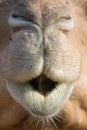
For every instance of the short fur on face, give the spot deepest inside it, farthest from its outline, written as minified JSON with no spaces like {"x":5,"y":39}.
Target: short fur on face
{"x":45,"y":59}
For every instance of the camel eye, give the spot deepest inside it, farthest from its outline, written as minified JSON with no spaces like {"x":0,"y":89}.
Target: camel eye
{"x":65,"y":23}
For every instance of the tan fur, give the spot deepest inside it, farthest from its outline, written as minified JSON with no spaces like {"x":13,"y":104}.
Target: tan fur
{"x":73,"y":114}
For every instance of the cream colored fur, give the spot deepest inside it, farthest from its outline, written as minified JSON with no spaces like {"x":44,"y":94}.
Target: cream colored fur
{"x":52,"y":43}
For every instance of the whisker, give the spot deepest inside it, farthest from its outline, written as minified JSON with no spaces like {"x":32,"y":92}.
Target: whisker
{"x":55,"y":117}
{"x":43,"y":123}
{"x":37,"y":124}
{"x":28,"y":121}
{"x":60,"y":116}
{"x":53,"y":122}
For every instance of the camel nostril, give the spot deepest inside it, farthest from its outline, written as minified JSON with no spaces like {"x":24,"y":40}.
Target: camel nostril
{"x":43,"y":85}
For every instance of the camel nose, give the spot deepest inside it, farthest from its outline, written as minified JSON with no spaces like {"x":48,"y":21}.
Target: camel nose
{"x":48,"y":15}
{"x":56,"y":13}
{"x":21,"y":16}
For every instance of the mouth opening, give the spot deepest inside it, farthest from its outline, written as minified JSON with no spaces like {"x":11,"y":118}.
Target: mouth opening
{"x":43,"y":84}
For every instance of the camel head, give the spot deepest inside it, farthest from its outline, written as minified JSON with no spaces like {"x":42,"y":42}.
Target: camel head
{"x":43,"y":61}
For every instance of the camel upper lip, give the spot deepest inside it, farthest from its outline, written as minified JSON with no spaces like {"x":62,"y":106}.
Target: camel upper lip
{"x":43,"y":84}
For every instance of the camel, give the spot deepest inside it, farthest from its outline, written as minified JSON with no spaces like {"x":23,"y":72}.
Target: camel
{"x":43,"y":65}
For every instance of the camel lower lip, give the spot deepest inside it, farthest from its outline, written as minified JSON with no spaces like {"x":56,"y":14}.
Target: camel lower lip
{"x":37,"y":104}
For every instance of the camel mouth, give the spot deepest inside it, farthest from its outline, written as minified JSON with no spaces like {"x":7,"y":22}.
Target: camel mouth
{"x":41,"y":96}
{"x":43,"y":84}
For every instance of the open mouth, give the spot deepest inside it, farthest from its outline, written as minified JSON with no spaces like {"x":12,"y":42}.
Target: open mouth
{"x":43,"y":84}
{"x":41,"y":96}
